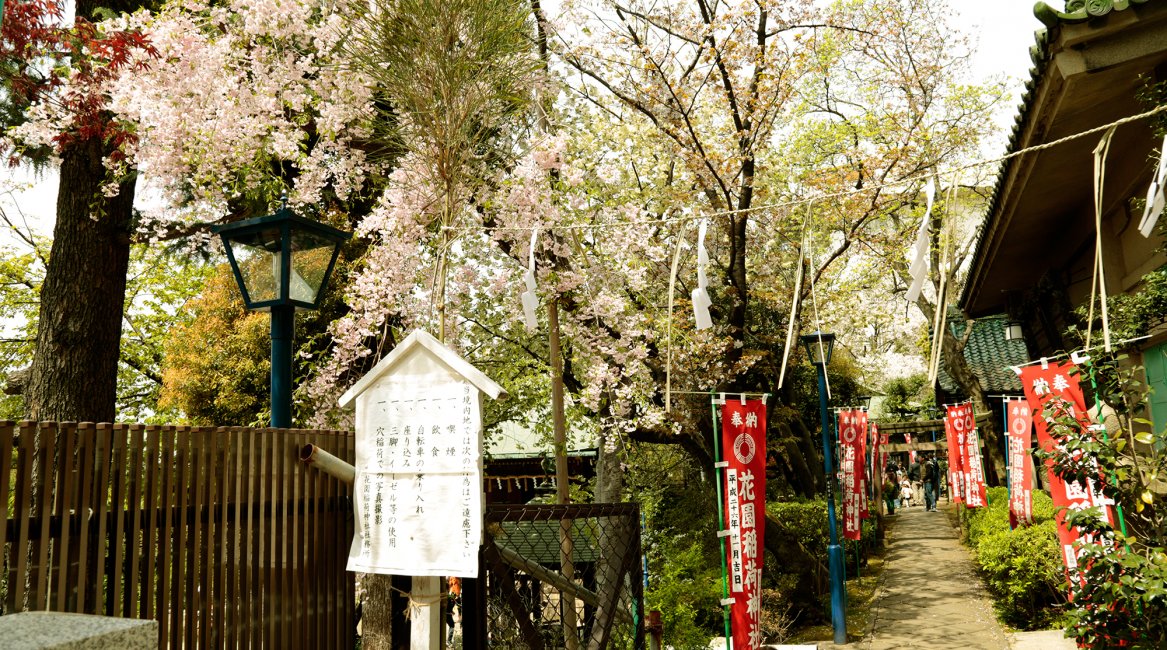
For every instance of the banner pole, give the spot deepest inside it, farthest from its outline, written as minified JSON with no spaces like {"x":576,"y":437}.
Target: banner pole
{"x":1113,"y":480}
{"x":1008,"y":458}
{"x":720,"y":518}
{"x":838,"y":447}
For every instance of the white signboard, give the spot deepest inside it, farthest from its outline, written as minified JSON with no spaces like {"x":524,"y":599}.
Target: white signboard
{"x":419,"y":498}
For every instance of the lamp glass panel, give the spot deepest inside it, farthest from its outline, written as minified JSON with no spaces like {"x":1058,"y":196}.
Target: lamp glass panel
{"x":1013,"y":331}
{"x":259,"y":267}
{"x":311,"y":254}
{"x":817,"y":353}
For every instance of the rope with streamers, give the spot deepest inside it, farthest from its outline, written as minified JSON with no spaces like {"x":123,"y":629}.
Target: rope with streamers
{"x":842,"y":193}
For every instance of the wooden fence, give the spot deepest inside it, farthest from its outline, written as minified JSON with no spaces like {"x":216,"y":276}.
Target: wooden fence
{"x":218,"y":533}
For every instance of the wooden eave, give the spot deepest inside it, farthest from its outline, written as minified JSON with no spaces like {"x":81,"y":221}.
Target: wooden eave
{"x":1041,"y":217}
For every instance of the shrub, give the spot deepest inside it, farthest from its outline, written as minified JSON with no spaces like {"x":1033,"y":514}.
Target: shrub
{"x":687,"y":590}
{"x":1119,"y":588}
{"x":1022,"y":567}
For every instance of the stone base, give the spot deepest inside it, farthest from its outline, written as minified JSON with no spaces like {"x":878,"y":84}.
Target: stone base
{"x":59,"y":631}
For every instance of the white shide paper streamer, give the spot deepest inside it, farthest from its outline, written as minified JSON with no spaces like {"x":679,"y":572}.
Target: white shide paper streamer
{"x":530,"y":300}
{"x":701,"y":301}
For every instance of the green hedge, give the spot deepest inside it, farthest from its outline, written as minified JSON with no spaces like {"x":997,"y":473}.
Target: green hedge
{"x":809,"y":520}
{"x":1022,"y":567}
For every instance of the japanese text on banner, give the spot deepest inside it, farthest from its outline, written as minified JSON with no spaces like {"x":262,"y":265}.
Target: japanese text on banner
{"x":1020,"y":421}
{"x":851,"y":443}
{"x":743,"y":445}
{"x":1050,"y":391}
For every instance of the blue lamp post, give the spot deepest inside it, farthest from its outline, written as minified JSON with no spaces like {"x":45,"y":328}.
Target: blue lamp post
{"x":282,"y":263}
{"x":818,"y":348}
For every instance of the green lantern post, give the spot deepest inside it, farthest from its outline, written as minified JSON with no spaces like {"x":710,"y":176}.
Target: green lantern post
{"x":282,"y":263}
{"x":818,"y":348}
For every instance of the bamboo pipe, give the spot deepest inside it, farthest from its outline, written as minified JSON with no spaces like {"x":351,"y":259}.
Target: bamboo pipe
{"x":327,"y":463}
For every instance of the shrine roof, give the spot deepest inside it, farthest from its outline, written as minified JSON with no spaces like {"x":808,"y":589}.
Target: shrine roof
{"x":511,"y":439}
{"x":1088,"y":60}
{"x":1079,"y":11}
{"x":990,"y":357}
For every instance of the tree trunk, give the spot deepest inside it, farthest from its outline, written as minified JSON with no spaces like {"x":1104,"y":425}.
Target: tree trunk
{"x":809,"y":583}
{"x":958,"y":369}
{"x":802,"y":480}
{"x":73,"y":376}
{"x":810,"y":453}
{"x":377,"y":612}
{"x":611,"y":539}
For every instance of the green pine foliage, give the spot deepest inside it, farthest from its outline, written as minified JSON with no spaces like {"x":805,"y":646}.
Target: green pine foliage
{"x":1022,"y":567}
{"x":909,"y":398}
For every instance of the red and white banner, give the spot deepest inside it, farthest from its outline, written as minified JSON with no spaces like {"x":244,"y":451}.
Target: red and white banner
{"x":911,"y":454}
{"x":1041,"y":385}
{"x":743,"y":443}
{"x":864,"y":511}
{"x":962,"y":429}
{"x":1020,"y":419}
{"x":955,"y":460}
{"x":878,"y":441}
{"x":976,"y":494}
{"x":852,"y":430}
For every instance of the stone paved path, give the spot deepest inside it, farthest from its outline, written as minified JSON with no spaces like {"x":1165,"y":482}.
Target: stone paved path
{"x":929,"y":595}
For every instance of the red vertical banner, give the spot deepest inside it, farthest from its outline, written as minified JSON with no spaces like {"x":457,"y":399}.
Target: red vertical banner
{"x":1044,"y":383}
{"x":1020,"y":419}
{"x":975,"y":493}
{"x":865,"y":475}
{"x":878,"y":440}
{"x":911,"y":454}
{"x":743,"y":443}
{"x":955,"y":457}
{"x":850,"y":445}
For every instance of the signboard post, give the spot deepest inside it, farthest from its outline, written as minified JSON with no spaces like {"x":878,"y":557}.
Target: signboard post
{"x":419,"y":498}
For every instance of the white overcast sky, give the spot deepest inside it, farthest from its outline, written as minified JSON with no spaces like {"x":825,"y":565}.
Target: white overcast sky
{"x":1003,"y":31}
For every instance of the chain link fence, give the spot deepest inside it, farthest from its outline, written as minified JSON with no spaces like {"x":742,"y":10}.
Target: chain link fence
{"x":563,"y":576}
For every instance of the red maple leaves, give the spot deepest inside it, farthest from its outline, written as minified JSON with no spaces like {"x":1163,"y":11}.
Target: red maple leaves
{"x":44,"y":60}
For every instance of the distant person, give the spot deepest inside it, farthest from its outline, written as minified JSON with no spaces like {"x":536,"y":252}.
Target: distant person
{"x":892,"y":471}
{"x":914,"y":471}
{"x":906,"y":492}
{"x":931,"y":476}
{"x":891,"y":490}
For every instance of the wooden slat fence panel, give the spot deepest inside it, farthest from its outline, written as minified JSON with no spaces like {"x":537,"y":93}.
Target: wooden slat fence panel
{"x":220,"y":534}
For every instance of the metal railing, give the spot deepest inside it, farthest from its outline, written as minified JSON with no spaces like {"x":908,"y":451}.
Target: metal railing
{"x":562,"y":576}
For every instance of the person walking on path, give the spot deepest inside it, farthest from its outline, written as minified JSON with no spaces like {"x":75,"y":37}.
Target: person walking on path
{"x":891,"y":491}
{"x":929,"y":595}
{"x":914,"y":474}
{"x":931,"y":476}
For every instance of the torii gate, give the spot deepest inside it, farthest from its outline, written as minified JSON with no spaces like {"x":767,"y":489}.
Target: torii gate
{"x":913,"y":428}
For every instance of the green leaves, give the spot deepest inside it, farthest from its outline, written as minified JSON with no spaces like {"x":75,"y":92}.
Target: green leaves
{"x":1121,"y":580}
{"x":1021,"y":567}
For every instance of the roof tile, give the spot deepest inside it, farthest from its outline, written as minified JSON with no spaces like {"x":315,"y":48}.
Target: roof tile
{"x":990,"y":357}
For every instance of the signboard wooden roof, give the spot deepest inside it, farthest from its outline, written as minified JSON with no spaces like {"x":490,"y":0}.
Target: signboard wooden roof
{"x":422,"y":342}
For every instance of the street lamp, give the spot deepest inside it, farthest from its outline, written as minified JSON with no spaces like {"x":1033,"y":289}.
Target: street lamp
{"x":282,"y":263}
{"x":1013,"y":331}
{"x":818,"y":348}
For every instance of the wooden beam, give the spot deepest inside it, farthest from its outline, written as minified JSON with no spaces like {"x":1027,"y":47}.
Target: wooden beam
{"x":922,"y":426}
{"x":939,"y":445}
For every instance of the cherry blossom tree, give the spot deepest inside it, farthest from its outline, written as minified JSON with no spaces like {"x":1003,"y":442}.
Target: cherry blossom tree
{"x":54,"y":73}
{"x":675,"y":112}
{"x":222,"y":109}
{"x":910,"y":117}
